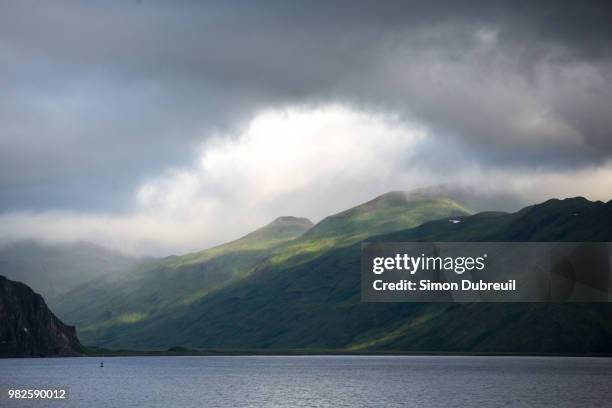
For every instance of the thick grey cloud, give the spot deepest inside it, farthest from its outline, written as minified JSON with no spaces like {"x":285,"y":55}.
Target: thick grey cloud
{"x":98,"y":98}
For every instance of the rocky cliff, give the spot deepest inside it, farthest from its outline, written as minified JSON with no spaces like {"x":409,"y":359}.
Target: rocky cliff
{"x":29,"y":328}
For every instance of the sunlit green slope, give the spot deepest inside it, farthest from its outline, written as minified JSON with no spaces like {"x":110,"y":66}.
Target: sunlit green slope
{"x":117,"y":311}
{"x":156,"y":286}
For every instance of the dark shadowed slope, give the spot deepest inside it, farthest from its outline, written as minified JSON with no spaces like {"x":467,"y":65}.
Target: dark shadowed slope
{"x":28,"y":327}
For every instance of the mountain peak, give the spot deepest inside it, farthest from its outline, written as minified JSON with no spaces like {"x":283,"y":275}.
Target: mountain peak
{"x":285,"y":227}
{"x":563,"y":204}
{"x":391,"y":198}
{"x":291,"y":220}
{"x":476,"y":199}
{"x":401,"y":199}
{"x":388,"y":212}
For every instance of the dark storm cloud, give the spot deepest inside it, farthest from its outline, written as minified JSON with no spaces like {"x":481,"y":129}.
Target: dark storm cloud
{"x":96,"y":97}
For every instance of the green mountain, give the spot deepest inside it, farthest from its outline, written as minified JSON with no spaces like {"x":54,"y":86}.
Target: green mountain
{"x":110,"y":303}
{"x":474,"y":198}
{"x":55,"y":269}
{"x":393,"y":211}
{"x":120,"y":312}
{"x":315,"y":303}
{"x":279,"y":231}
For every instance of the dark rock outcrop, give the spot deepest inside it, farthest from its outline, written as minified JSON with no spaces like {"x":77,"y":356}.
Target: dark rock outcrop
{"x":29,"y":328}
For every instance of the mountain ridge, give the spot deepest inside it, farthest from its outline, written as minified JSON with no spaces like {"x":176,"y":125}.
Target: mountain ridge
{"x":316,"y":304}
{"x":303,"y":292}
{"x":166,"y":289}
{"x":389,"y":207}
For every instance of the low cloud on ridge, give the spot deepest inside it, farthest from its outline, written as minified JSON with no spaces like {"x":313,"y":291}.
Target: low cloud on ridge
{"x":286,"y":162}
{"x":135,"y":124}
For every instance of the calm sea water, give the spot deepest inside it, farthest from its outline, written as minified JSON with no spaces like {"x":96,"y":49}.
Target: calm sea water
{"x":315,"y":381}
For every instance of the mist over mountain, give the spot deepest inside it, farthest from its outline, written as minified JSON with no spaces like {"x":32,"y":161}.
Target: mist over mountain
{"x":55,"y":269}
{"x":391,"y":211}
{"x":475,"y":198}
{"x":127,"y":129}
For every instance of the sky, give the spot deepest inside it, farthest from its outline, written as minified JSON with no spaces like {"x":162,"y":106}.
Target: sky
{"x":167,"y":127}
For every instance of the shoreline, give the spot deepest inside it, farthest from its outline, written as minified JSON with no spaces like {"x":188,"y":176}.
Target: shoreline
{"x":313,"y":353}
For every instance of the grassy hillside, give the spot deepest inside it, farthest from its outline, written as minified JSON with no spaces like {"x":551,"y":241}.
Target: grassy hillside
{"x":278,"y":232}
{"x":111,"y":303}
{"x":119,"y":313}
{"x":393,"y":211}
{"x":389,"y":212}
{"x":316,"y":304}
